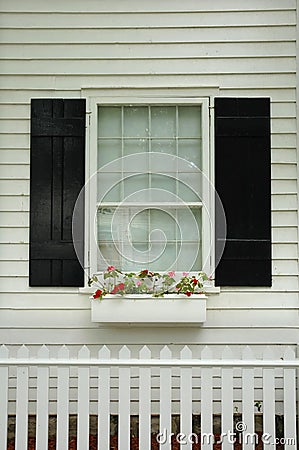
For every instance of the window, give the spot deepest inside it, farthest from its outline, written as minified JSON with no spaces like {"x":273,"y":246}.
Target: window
{"x":151,"y":194}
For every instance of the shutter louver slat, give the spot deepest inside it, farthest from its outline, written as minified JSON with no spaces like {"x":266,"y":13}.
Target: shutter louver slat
{"x":57,"y":165}
{"x":243,"y":182}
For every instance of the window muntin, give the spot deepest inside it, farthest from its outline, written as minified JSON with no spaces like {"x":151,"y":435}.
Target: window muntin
{"x":140,"y":139}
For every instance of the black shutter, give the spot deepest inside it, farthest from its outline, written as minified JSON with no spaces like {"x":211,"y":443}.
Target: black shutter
{"x":57,"y":175}
{"x":243,"y":183}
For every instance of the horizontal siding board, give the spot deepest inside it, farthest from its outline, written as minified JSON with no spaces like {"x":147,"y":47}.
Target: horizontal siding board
{"x":284,"y":186}
{"x":14,"y":156}
{"x":98,"y":336}
{"x":147,"y":66}
{"x":286,"y":155}
{"x":14,"y":187}
{"x":149,"y":50}
{"x":98,"y":35}
{"x":284,"y":171}
{"x":14,"y":268}
{"x":135,"y":19}
{"x":285,"y":234}
{"x":39,"y":299}
{"x":284,"y":202}
{"x":154,"y":5}
{"x":10,"y":219}
{"x":14,"y":203}
{"x":71,"y":82}
{"x":14,"y":251}
{"x":81,"y":318}
{"x":14,"y":171}
{"x":15,"y":235}
{"x":285,"y":218}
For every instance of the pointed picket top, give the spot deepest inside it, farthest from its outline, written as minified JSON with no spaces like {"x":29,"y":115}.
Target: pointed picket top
{"x":268,"y":353}
{"x":186,"y":353}
{"x":165,"y":353}
{"x":227,"y":353}
{"x":4,"y":352}
{"x":145,"y":353}
{"x":206,"y":353}
{"x":84,"y":353}
{"x":289,"y":354}
{"x":125,"y":352}
{"x":247,"y":353}
{"x":63,"y":352}
{"x":43,"y":352}
{"x":104,"y":352}
{"x":23,"y":352}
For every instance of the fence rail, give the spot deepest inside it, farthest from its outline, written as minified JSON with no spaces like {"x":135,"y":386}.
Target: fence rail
{"x":187,"y":386}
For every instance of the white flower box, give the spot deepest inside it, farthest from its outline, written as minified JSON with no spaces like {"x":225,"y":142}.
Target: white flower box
{"x":142,"y":309}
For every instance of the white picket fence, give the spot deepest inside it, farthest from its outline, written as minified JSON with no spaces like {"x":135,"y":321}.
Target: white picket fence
{"x":146,"y":385}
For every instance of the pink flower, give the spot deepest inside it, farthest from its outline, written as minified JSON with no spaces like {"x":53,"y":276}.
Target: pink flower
{"x":185,"y":274}
{"x":171,"y":273}
{"x":110,"y":268}
{"x":138,"y":283}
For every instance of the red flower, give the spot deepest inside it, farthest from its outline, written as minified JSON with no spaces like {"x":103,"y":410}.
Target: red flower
{"x":110,"y":268}
{"x":188,"y":293}
{"x":97,"y":293}
{"x":118,"y":287}
{"x":194,"y":281}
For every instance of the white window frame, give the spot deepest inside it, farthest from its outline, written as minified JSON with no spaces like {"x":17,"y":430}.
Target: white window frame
{"x":207,"y":168}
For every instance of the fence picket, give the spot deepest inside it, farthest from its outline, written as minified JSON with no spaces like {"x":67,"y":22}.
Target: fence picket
{"x":269,"y":398}
{"x":124,"y":402}
{"x":104,"y":401}
{"x":289,"y":389}
{"x":227,"y":407}
{"x":42,"y":401}
{"x":4,"y":354}
{"x":165,"y":401}
{"x":206,"y":402}
{"x":22,"y":402}
{"x":186,"y":401}
{"x":248,"y":443}
{"x":145,"y":402}
{"x":83,"y":402}
{"x":63,"y":376}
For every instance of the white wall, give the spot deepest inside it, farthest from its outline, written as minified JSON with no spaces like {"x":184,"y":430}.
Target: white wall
{"x":76,"y":48}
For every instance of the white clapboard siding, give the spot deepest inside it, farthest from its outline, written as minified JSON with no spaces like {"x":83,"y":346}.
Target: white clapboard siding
{"x":158,"y":48}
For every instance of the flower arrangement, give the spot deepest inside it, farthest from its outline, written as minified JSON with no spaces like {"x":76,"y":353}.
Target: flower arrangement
{"x":114,"y":281}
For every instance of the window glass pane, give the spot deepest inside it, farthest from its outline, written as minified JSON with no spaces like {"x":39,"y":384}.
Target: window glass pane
{"x":163,"y":121}
{"x":139,"y":228}
{"x":162,"y":257}
{"x":136,"y":183}
{"x":163,"y":226}
{"x":190,"y":149}
{"x":189,"y":121}
{"x":136,"y":123}
{"x":109,"y":150}
{"x":109,"y":187}
{"x":109,"y":121}
{"x":189,"y":257}
{"x":132,"y":146}
{"x":164,"y":182}
{"x":189,"y":220}
{"x":164,"y":146}
{"x":189,"y":187}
